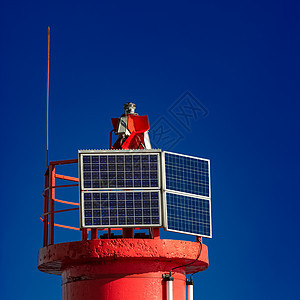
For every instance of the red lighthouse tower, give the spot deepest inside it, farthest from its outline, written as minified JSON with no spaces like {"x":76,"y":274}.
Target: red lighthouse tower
{"x":132,"y":265}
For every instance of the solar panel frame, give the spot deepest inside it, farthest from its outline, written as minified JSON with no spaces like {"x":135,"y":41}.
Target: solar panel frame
{"x":166,"y":191}
{"x":164,"y":175}
{"x":115,"y":153}
{"x":168,"y":227}
{"x":137,"y":212}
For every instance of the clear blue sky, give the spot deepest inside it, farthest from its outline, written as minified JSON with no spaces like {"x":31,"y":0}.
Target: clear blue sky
{"x":239,"y":59}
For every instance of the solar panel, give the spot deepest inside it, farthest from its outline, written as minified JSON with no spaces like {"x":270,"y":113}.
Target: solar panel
{"x":187,"y":174}
{"x":120,"y":170}
{"x":120,"y":188}
{"x":187,"y":214}
{"x":186,"y":191}
{"x":121,"y":209}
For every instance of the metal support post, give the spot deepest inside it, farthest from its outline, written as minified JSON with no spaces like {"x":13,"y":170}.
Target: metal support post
{"x":46,"y":207}
{"x":84,"y":234}
{"x":169,"y":279}
{"x":190,"y":289}
{"x":128,"y":233}
{"x":94,"y":233}
{"x":51,"y":203}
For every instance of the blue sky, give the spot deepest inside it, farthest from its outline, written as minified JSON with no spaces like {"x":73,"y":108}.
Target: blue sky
{"x":239,"y":62}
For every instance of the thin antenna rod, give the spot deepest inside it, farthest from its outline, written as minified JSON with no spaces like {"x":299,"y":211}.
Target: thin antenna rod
{"x":47,"y":150}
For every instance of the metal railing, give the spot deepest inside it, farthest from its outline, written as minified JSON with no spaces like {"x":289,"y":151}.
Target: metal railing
{"x":49,"y":200}
{"x":49,"y":209}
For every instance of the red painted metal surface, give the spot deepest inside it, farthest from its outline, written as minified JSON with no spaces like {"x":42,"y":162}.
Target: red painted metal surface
{"x":137,"y":125}
{"x":66,"y":202}
{"x":49,"y":200}
{"x":121,"y":269}
{"x":46,"y":206}
{"x":51,"y":203}
{"x":66,"y":177}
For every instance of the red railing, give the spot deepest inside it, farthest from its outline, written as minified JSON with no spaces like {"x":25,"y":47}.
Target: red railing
{"x":49,"y":208}
{"x":49,"y":200}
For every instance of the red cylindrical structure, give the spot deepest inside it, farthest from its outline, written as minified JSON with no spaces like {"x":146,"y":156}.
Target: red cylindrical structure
{"x":119,"y":269}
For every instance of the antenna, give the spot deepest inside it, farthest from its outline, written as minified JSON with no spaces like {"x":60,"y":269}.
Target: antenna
{"x":47,"y":147}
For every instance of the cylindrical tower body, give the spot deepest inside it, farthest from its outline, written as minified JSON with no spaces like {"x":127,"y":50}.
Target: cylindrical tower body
{"x":119,"y":269}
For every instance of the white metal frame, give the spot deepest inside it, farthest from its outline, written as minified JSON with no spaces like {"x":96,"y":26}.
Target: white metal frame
{"x":118,"y":152}
{"x":121,"y":226}
{"x":115,"y":190}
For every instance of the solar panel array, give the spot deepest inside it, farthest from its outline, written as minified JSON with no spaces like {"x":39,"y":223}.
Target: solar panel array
{"x":187,"y":194}
{"x":120,"y":188}
{"x":106,"y":171}
{"x":120,"y":209}
{"x":125,"y":188}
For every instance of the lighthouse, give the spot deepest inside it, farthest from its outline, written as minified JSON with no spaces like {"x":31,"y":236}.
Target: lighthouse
{"x":127,"y":194}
